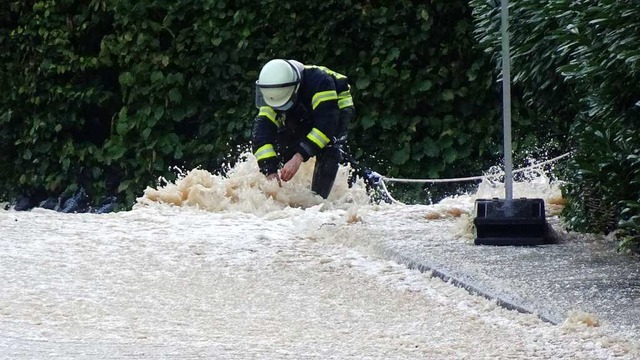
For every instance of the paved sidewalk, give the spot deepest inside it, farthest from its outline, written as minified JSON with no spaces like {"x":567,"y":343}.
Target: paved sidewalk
{"x":575,"y":274}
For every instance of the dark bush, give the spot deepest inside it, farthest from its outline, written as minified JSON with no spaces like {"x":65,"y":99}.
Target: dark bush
{"x":576,"y":66}
{"x":112,"y":95}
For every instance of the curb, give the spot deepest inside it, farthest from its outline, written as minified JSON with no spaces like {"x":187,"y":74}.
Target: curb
{"x":472,"y":289}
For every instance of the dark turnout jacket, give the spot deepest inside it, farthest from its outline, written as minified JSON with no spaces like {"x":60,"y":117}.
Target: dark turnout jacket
{"x":309,"y":126}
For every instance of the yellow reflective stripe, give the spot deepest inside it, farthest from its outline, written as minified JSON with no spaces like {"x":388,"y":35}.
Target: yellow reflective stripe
{"x":345,"y":102}
{"x":269,"y":113}
{"x":345,"y":99}
{"x":323,"y":96}
{"x":326,"y":70}
{"x":265,"y":152}
{"x":318,"y":137}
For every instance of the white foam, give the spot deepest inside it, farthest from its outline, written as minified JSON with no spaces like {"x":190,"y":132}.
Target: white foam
{"x":245,"y":189}
{"x":236,"y":267}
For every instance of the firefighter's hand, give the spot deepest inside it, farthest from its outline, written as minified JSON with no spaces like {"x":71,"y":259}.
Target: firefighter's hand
{"x":291,"y":167}
{"x":274,"y":176}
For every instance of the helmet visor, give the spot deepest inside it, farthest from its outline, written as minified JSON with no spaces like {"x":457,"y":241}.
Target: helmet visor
{"x":280,"y":97}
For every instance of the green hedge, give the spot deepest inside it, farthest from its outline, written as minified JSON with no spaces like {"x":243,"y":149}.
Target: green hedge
{"x":57,"y":99}
{"x":111,"y":95}
{"x":545,"y":103}
{"x":578,"y":63}
{"x":107,"y":94}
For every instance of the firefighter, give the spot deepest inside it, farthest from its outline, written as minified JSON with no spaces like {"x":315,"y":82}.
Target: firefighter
{"x":304,"y":111}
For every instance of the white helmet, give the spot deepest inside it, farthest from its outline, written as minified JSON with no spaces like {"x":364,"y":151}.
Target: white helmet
{"x":278,"y":84}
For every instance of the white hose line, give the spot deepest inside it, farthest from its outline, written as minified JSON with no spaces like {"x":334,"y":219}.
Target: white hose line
{"x":472,"y":178}
{"x":394,"y":201}
{"x":386,"y":191}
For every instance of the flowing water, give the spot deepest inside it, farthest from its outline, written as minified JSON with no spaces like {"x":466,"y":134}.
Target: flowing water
{"x":238,"y":267}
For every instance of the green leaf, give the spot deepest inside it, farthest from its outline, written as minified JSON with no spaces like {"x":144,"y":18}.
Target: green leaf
{"x":434,"y":171}
{"x":146,"y":111}
{"x":116,"y":152}
{"x":124,"y":185}
{"x":363,"y":83}
{"x":126,"y":79}
{"x":394,"y":53}
{"x":178,"y":114}
{"x":424,"y":85}
{"x":145,"y":133}
{"x":447,"y":95}
{"x":158,"y":112}
{"x":175,"y":95}
{"x":449,"y":155}
{"x":367,"y":122}
{"x":402,"y":155}
{"x":122,"y":128}
{"x":96,"y":172}
{"x":43,"y":147}
{"x":390,"y":71}
{"x":430,"y":148}
{"x":157,"y":76}
{"x":424,"y":14}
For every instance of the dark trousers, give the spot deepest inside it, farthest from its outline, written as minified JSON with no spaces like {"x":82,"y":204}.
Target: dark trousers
{"x":329,"y":158}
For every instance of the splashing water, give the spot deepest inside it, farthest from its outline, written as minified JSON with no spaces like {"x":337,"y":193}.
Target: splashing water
{"x":175,"y":280}
{"x":245,"y":189}
{"x":577,"y":318}
{"x":532,"y":184}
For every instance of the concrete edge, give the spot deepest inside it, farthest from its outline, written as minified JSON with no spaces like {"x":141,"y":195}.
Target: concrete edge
{"x":472,"y":289}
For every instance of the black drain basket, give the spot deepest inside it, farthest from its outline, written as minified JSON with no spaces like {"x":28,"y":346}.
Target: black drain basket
{"x":516,"y":222}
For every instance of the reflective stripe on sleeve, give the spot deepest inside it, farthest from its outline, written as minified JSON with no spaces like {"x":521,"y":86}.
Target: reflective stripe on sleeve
{"x":269,"y":113}
{"x":265,"y":152}
{"x":344,"y":94}
{"x":318,"y":138}
{"x":323,"y":96}
{"x":345,"y":99}
{"x":346,"y":102}
{"x":327,"y":71}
